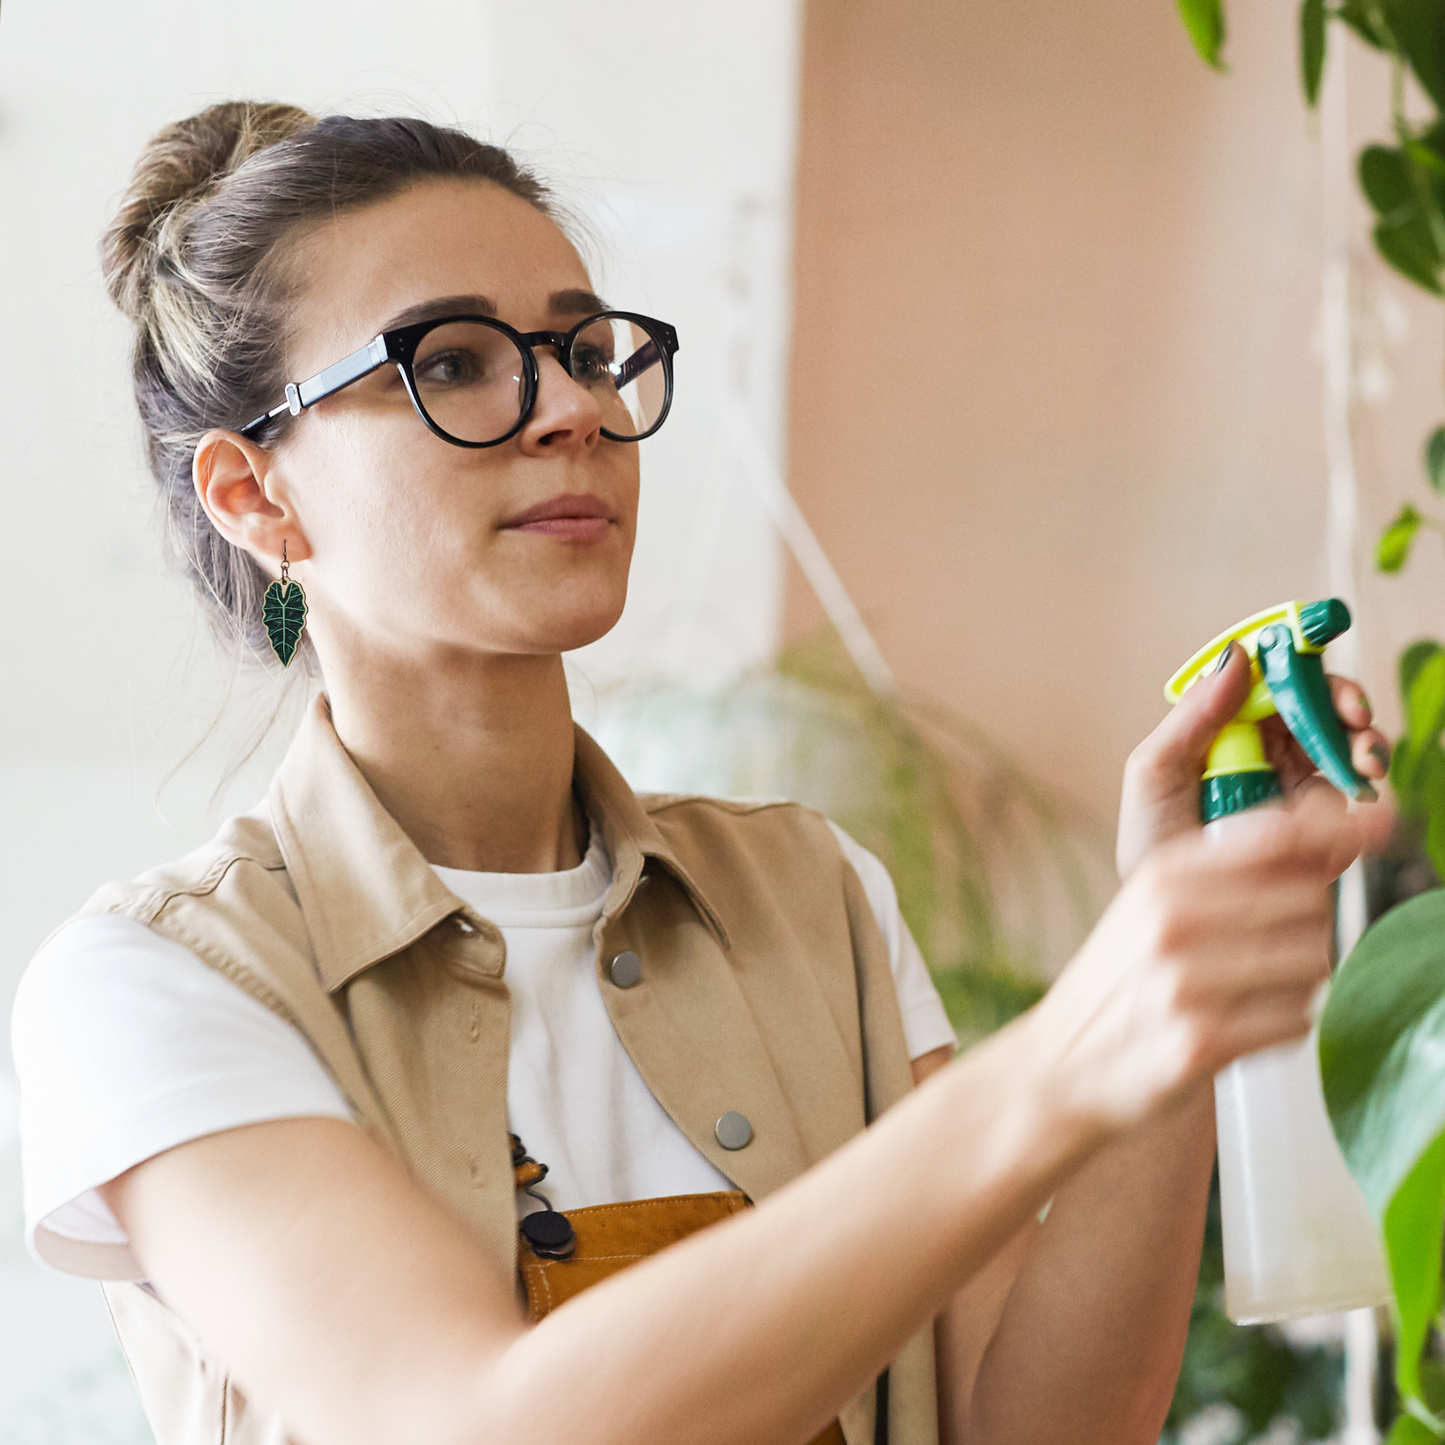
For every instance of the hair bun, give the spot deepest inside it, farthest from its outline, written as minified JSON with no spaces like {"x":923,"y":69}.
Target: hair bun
{"x":178,"y":167}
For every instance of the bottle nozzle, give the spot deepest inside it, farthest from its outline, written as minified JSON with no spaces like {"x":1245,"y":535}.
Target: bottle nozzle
{"x":1322,"y":622}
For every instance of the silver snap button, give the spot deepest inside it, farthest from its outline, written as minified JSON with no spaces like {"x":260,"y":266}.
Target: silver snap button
{"x":733,"y":1131}
{"x":626,"y":969}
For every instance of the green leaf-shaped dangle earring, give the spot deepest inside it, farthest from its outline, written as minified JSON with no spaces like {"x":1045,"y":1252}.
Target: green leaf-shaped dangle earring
{"x":283,"y":610}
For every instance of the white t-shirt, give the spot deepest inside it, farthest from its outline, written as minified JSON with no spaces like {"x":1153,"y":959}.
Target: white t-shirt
{"x":126,"y":1044}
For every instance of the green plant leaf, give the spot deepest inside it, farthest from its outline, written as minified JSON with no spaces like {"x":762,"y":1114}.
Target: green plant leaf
{"x":1433,"y":807}
{"x":1381,"y":1041}
{"x":1362,"y":17}
{"x":283,"y":610}
{"x":1386,"y":181}
{"x":1409,"y":247}
{"x":1204,"y":20}
{"x":1435,"y":459}
{"x":1429,"y":147}
{"x":1419,"y":27}
{"x":1393,"y":549}
{"x":1407,"y":195}
{"x":1425,"y":155}
{"x":1407,"y":1430}
{"x":1312,"y":22}
{"x":1411,"y":660}
{"x":1417,"y":766}
{"x":1425,"y":699}
{"x":1417,"y":775}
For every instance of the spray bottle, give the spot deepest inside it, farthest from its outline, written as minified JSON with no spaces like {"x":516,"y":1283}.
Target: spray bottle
{"x":1298,"y":1236}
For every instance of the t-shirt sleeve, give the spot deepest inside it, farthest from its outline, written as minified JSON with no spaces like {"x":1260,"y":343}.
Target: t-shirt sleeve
{"x":126,"y":1044}
{"x":925,"y":1023}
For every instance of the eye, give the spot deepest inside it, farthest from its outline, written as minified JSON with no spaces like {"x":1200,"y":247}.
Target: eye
{"x":457,"y":366}
{"x":591,"y":364}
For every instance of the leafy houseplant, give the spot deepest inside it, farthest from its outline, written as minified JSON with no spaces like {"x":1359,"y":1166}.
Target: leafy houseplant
{"x":1382,"y":1037}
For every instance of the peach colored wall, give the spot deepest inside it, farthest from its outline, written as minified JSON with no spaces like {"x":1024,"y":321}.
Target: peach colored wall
{"x":1055,"y":397}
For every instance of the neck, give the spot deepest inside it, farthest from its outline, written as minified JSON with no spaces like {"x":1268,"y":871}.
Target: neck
{"x":472,"y":755}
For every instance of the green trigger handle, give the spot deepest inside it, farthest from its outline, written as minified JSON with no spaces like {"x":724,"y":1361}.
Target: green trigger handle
{"x":1301,"y":692}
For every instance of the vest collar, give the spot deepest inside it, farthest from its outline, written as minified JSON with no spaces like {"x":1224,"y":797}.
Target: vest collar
{"x":364,"y":887}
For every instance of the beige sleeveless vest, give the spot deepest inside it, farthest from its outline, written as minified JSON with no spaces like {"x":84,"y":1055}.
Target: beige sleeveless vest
{"x":765,"y":990}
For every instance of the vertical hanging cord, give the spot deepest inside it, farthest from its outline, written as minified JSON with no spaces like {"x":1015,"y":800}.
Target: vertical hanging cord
{"x":807,"y":551}
{"x":764,"y":474}
{"x":1337,"y":176}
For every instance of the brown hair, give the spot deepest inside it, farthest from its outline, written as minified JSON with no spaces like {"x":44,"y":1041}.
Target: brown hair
{"x":195,"y":258}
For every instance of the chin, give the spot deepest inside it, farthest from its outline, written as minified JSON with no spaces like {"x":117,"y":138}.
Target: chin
{"x":577,"y":629}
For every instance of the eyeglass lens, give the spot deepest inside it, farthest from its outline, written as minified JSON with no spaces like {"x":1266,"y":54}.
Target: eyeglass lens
{"x":470,"y":378}
{"x":621,"y":365}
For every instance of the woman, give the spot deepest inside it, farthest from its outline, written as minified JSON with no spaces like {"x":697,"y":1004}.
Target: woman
{"x":274,"y":1081}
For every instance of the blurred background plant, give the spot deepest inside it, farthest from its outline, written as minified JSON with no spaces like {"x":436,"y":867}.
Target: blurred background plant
{"x":997,"y":878}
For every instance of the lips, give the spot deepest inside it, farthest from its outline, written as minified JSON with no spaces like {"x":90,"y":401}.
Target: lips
{"x":579,"y":517}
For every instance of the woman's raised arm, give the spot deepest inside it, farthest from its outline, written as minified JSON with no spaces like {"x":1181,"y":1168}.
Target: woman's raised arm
{"x":360,"y":1312}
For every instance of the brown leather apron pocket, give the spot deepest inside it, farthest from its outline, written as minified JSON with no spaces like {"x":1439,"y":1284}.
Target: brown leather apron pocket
{"x":609,"y":1237}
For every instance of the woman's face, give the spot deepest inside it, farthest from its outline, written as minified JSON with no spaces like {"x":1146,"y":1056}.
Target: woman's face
{"x":410,"y":542}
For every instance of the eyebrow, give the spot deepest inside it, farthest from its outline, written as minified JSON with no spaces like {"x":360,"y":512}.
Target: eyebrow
{"x":575,"y":302}
{"x":571,"y":302}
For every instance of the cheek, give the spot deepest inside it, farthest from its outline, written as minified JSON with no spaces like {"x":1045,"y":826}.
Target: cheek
{"x":382,"y":518}
{"x":404,"y":544}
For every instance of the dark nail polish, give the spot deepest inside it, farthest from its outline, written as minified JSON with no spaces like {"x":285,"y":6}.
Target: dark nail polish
{"x":1381,"y":755}
{"x":1224,"y":658}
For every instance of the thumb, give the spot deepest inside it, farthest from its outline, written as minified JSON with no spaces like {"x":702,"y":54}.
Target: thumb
{"x":1189,"y":731}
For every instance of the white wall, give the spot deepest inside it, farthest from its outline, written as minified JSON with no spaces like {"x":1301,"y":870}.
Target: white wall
{"x":669,"y":127}
{"x":664,"y":125}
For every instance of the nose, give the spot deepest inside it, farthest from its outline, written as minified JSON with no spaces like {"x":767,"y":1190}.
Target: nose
{"x":566,"y":416}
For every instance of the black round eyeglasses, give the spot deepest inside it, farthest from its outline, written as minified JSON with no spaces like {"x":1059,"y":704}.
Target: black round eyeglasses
{"x":473,"y":379}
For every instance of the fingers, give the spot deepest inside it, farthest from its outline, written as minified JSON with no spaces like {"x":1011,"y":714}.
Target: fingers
{"x":1370,"y":753}
{"x":1273,"y":1018}
{"x":1351,"y":703}
{"x":1316,"y":835}
{"x":1369,"y":748}
{"x":1288,"y":954}
{"x":1182,"y":741}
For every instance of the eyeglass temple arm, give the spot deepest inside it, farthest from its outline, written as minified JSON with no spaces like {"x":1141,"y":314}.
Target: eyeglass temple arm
{"x":646,"y":356}
{"x":325,"y":383}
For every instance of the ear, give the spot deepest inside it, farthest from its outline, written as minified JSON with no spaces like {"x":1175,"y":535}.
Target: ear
{"x":242,"y":494}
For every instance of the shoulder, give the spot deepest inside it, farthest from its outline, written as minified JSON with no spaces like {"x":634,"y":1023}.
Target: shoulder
{"x":698,"y":827}
{"x":127,"y":1044}
{"x":228,"y":905}
{"x":243,"y":854}
{"x":101,"y":973}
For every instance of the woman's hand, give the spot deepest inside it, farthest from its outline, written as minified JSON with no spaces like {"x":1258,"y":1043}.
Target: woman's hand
{"x":1213,"y":948}
{"x":1161,"y":778}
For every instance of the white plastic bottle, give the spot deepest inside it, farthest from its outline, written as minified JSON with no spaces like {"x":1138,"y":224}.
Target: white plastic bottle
{"x":1298,"y":1235}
